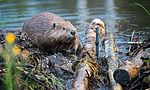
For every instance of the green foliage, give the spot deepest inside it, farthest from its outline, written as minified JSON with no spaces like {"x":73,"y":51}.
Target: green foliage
{"x":12,"y":74}
{"x":56,"y":82}
{"x":17,"y":75}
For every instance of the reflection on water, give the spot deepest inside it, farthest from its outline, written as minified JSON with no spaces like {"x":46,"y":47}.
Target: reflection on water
{"x":121,"y":16}
{"x":112,"y":15}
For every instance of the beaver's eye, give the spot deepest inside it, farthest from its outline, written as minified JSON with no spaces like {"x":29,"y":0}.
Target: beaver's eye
{"x":54,"y":25}
{"x":64,"y":29}
{"x":98,"y":24}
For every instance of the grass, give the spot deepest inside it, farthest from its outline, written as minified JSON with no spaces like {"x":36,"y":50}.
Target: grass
{"x":143,"y":8}
{"x":13,"y":78}
{"x":9,"y":53}
{"x":56,"y":82}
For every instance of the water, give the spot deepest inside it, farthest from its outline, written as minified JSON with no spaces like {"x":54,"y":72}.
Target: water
{"x":121,"y":16}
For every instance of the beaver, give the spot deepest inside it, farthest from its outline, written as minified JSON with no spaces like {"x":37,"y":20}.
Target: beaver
{"x":51,"y":33}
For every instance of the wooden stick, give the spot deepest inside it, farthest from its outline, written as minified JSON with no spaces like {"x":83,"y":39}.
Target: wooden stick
{"x":84,"y":69}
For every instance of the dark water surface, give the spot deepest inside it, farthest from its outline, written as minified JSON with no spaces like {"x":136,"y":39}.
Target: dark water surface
{"x":121,"y":16}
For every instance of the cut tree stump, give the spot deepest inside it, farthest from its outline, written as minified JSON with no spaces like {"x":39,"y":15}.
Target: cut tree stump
{"x":125,"y":73}
{"x":130,"y":69}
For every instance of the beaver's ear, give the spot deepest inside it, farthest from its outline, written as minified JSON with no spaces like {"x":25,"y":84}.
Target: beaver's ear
{"x":54,"y":25}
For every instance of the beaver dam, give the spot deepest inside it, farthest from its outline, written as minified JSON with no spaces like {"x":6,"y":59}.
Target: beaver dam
{"x":74,"y":45}
{"x":93,"y":65}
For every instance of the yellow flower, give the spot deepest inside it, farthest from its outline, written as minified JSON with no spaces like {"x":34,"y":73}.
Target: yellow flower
{"x":10,"y":38}
{"x":16,"y":50}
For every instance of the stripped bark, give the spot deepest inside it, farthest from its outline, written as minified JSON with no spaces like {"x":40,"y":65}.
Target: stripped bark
{"x":81,"y":78}
{"x":110,"y":51}
{"x":130,"y":69}
{"x":85,"y":68}
{"x":125,"y":73}
{"x":91,"y":37}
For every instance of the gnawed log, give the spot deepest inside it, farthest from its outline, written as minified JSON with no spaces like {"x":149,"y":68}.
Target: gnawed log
{"x":88,"y":66}
{"x":91,"y":37}
{"x":84,"y":70}
{"x":130,"y":69}
{"x":110,"y":50}
{"x":125,"y":73}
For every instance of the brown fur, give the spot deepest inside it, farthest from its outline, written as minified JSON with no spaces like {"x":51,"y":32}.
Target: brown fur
{"x":51,"y":33}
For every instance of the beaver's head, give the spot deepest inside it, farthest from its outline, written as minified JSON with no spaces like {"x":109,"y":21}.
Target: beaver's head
{"x":98,"y":23}
{"x":63,"y":33}
{"x":71,"y":32}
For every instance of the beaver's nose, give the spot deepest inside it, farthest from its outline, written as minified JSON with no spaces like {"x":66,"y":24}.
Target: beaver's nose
{"x":72,"y":32}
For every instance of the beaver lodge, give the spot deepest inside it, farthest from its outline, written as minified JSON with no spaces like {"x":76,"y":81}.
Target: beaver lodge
{"x":48,"y":55}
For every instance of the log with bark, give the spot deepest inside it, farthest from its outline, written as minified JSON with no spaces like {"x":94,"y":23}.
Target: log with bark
{"x":110,"y":55}
{"x":130,"y":69}
{"x":88,"y":66}
{"x":83,"y":70}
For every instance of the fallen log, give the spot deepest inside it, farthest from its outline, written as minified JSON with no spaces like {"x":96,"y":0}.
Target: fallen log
{"x":125,"y":73}
{"x":88,"y":67}
{"x":130,"y":69}
{"x":84,"y":70}
{"x":90,"y":42}
{"x":110,"y":55}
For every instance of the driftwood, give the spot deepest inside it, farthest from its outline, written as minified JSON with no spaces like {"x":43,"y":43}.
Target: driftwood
{"x":81,"y":78}
{"x":110,"y":51}
{"x":85,"y":68}
{"x":130,"y":69}
{"x":98,"y":26}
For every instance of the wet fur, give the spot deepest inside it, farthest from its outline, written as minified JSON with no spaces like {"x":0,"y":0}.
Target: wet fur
{"x":51,"y":32}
